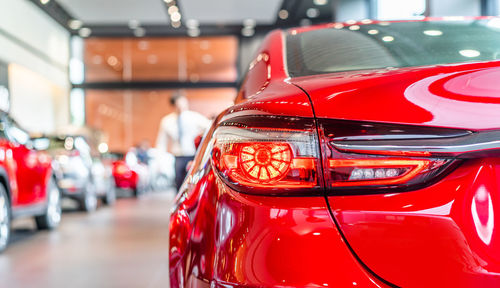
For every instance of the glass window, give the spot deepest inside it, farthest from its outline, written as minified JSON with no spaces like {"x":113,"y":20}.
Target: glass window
{"x":155,"y":59}
{"x":18,"y":135}
{"x":399,"y":44}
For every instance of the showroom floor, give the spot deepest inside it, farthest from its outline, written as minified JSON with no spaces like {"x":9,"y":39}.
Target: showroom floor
{"x":123,"y":246}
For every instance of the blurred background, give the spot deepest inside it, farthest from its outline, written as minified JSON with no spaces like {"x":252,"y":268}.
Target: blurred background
{"x":111,"y":65}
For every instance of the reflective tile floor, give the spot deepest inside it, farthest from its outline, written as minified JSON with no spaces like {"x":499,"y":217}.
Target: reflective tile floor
{"x":122,"y":246}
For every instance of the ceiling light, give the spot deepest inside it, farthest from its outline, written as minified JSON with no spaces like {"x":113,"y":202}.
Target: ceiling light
{"x":366,"y":21}
{"x":247,"y":31}
{"x":112,"y":60}
{"x":338,"y":26}
{"x":139,"y":32}
{"x":192,"y":24}
{"x":373,"y":32}
{"x":433,"y":32}
{"x":44,"y":1}
{"x":75,"y":24}
{"x":84,"y":32}
{"x":175,"y":17}
{"x":103,"y":148}
{"x":283,"y":14}
{"x":133,"y":24}
{"x":176,"y":24}
{"x":173,"y":9}
{"x":193,"y":32}
{"x":312,"y":12}
{"x":249,"y":23}
{"x":469,"y":53}
{"x":320,"y":2}
{"x":350,"y":22}
{"x":354,"y":27}
{"x":387,"y":38}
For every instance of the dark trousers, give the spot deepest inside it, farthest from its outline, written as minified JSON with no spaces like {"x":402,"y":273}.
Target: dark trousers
{"x":180,"y":169}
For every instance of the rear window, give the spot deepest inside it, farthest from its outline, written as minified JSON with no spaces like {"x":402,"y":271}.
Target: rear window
{"x":392,"y":44}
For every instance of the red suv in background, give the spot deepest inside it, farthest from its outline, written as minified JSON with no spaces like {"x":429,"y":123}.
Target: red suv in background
{"x":27,"y":188}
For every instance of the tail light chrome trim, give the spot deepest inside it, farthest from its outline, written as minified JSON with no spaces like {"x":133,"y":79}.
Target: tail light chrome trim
{"x":477,"y":142}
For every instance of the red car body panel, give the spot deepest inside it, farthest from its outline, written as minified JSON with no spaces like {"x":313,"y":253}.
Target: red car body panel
{"x":292,"y":242}
{"x":431,"y":96}
{"x":27,"y":174}
{"x":443,"y":235}
{"x":125,"y":177}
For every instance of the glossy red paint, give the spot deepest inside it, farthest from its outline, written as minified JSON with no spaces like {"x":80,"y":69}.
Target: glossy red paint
{"x":433,"y":96}
{"x":440,"y":235}
{"x":26,"y":172}
{"x":446,"y":232}
{"x":125,"y":177}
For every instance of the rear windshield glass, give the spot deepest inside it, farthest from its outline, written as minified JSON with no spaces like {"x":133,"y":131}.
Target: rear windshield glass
{"x":392,"y":44}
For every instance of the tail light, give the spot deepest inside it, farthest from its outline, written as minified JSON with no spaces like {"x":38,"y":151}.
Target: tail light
{"x":120,"y":168}
{"x":281,"y":155}
{"x":377,"y":172}
{"x":352,"y":165}
{"x":255,"y":158}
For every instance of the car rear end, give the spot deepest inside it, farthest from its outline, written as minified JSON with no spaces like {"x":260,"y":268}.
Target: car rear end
{"x":125,"y":177}
{"x":384,"y":176}
{"x":411,"y":144}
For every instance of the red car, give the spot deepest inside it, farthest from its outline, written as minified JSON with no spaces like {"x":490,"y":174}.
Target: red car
{"x":362,"y":155}
{"x":125,"y":177}
{"x":27,"y":186}
{"x":130,"y":174}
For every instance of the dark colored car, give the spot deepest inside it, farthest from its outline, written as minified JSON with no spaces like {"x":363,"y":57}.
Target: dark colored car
{"x":27,"y":186}
{"x":80,"y":174}
{"x":356,"y":155}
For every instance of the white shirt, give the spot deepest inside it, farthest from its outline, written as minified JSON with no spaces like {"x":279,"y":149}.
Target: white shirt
{"x":192,"y":124}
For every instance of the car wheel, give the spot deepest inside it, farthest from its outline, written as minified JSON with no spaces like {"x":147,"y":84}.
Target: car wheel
{"x":139,"y":190}
{"x":52,"y":216}
{"x":4,"y":219}
{"x":110,"y":197}
{"x":89,"y":200}
{"x":136,"y":192}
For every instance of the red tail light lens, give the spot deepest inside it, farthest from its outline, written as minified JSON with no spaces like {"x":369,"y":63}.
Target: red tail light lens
{"x":382,"y":172}
{"x":268,"y":161}
{"x":379,"y":171}
{"x":265,"y":162}
{"x":120,"y":168}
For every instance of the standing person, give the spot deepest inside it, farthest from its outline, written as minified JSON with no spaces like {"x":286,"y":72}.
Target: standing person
{"x":177,"y":134}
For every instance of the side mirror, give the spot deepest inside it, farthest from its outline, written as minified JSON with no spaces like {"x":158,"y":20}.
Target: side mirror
{"x":41,"y":143}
